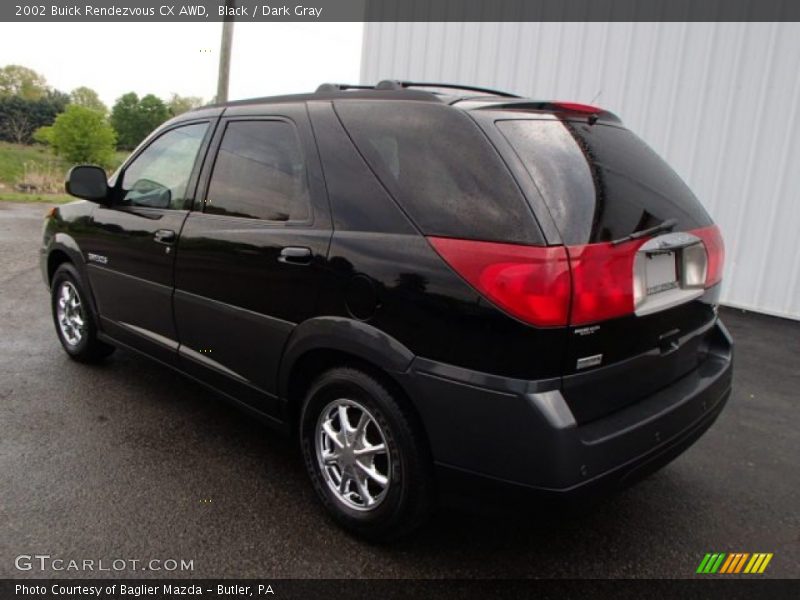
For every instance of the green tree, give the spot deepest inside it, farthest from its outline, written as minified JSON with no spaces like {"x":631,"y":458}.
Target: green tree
{"x":135,"y":118}
{"x":125,"y":120}
{"x":154,"y":112}
{"x":19,"y":117}
{"x":81,"y":135}
{"x":84,"y":96}
{"x":180,"y":104}
{"x":16,"y":80}
{"x":44,"y":135}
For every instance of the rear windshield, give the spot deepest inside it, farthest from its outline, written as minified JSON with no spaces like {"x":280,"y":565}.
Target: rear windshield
{"x":600,"y":182}
{"x":441,"y":169}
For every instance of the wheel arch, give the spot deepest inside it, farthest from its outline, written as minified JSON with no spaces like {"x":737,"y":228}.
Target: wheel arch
{"x":64,"y":248}
{"x":325,"y":342}
{"x":55,"y":259}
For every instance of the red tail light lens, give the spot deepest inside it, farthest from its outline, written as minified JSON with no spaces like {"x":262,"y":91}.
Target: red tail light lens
{"x":715,"y":248}
{"x":552,"y":286}
{"x":602,"y":280}
{"x":530,"y":282}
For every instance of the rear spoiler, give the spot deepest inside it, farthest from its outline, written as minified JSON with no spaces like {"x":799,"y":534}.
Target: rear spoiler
{"x":573,"y":109}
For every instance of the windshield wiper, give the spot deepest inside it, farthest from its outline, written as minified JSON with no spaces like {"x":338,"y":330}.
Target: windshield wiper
{"x":664,"y":226}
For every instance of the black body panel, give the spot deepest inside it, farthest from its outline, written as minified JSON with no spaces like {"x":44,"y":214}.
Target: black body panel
{"x":237,"y":297}
{"x":137,"y":267}
{"x":235,"y":303}
{"x":662,"y":354}
{"x":418,"y":299}
{"x":538,"y":447}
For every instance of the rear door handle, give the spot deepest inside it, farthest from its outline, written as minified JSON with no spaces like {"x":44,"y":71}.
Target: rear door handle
{"x":164,"y":236}
{"x":295,"y":255}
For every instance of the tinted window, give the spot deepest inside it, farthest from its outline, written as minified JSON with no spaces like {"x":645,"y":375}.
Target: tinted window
{"x":441,"y":169}
{"x":259,"y":173}
{"x":159,"y":175}
{"x":600,"y":182}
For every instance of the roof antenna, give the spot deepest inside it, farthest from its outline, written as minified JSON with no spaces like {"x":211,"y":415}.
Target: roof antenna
{"x":596,"y":96}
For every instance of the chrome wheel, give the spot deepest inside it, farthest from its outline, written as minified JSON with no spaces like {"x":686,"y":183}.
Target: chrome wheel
{"x":352,"y":454}
{"x":70,"y":315}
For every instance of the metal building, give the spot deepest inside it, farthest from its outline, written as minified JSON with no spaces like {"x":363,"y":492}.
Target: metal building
{"x":718,"y":100}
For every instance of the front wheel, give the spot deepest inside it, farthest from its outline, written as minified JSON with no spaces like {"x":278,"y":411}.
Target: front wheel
{"x":73,"y":319}
{"x":365,"y":455}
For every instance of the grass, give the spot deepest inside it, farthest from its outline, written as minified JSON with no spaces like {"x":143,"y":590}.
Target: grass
{"x":20,"y":197}
{"x":14,"y":157}
{"x":18,"y":159}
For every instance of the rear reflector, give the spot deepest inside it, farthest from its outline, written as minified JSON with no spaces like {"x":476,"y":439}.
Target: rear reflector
{"x":551,"y":286}
{"x":530,"y":282}
{"x":715,"y":247}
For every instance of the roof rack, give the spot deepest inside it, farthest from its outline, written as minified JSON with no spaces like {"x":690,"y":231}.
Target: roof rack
{"x":392,"y":84}
{"x":395,"y":85}
{"x":338,"y":87}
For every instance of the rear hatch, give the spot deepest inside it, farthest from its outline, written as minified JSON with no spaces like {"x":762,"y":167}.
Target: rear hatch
{"x":645,"y":257}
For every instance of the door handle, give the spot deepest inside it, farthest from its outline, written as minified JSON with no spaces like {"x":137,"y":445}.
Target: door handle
{"x":295,"y":255}
{"x":164,"y":236}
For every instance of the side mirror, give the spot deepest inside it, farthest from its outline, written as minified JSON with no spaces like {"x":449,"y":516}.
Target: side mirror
{"x":87,"y":182}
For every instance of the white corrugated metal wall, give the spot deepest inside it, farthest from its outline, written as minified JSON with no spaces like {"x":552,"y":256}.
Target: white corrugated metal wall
{"x":718,"y":100}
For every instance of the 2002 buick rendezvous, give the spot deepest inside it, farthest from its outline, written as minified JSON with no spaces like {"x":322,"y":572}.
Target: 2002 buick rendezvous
{"x":435,"y":287}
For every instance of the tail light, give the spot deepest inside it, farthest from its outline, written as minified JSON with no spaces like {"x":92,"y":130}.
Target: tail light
{"x":530,"y":282}
{"x":602,"y":281}
{"x":552,"y":286}
{"x":715,"y":248}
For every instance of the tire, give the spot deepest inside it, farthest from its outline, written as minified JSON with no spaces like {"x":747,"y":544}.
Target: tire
{"x":74,"y":320}
{"x":407,"y":498}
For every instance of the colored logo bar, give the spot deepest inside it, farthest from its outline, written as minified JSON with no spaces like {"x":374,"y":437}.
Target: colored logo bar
{"x":734,"y":562}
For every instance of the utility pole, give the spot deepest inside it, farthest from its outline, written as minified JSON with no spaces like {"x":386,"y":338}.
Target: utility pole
{"x":225,"y":53}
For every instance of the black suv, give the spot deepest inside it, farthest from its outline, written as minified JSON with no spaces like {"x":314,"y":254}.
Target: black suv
{"x":435,"y":287}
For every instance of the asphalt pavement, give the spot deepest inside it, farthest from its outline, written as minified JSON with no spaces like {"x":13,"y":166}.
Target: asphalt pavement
{"x":128,"y":460}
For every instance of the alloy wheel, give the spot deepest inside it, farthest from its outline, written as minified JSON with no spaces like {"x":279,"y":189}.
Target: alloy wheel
{"x":353,"y":455}
{"x":70,"y":314}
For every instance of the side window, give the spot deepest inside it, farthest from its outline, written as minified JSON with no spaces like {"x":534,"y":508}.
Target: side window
{"x":158,"y":177}
{"x":259,"y":173}
{"x":440,"y":168}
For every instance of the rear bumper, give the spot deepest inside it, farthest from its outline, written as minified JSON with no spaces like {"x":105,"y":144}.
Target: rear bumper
{"x":488,"y":432}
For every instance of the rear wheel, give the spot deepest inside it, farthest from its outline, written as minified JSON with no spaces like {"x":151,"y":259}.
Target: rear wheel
{"x":74,"y":321}
{"x":365,"y":456}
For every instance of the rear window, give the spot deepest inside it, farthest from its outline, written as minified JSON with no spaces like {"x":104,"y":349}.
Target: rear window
{"x":441,"y":169}
{"x":600,"y":182}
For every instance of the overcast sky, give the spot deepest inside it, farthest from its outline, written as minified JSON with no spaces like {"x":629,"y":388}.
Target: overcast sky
{"x":162,"y":58}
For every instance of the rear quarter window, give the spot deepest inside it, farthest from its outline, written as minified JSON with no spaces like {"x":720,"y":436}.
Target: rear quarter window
{"x":441,"y":169}
{"x":600,"y":182}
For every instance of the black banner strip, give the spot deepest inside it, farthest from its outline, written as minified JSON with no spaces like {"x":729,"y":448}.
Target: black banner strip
{"x":399,"y":10}
{"x":709,"y":588}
